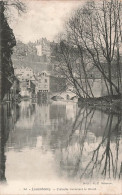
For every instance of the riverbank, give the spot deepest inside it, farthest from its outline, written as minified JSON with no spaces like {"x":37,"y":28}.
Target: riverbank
{"x":107,"y":103}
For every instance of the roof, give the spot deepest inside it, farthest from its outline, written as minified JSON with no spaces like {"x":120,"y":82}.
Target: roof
{"x":46,"y":72}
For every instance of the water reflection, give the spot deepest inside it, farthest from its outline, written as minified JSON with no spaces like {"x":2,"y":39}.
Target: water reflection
{"x":8,"y":118}
{"x":66,"y":141}
{"x":93,"y":146}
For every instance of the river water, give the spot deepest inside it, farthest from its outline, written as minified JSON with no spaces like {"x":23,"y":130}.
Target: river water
{"x":59,"y":141}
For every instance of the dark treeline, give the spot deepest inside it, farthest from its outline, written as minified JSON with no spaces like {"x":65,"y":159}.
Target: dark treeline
{"x":7,"y":42}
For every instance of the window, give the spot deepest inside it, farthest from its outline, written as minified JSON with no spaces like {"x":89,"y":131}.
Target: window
{"x":45,"y":80}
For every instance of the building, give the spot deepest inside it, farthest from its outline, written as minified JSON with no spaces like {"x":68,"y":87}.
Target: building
{"x":35,"y":55}
{"x":23,"y":73}
{"x":27,"y":88}
{"x":27,"y":80}
{"x":43,"y":49}
{"x":43,"y":82}
{"x":50,"y":83}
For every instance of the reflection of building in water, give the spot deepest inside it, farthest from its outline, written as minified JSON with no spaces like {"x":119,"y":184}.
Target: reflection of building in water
{"x":60,"y":126}
{"x":33,"y":122}
{"x":49,"y":121}
{"x":42,"y":114}
{"x":27,"y":118}
{"x":23,"y":128}
{"x":18,"y":138}
{"x":57,"y":111}
{"x":50,"y":129}
{"x":71,"y":110}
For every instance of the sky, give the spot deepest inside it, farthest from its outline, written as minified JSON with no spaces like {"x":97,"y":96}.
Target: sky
{"x":43,"y":19}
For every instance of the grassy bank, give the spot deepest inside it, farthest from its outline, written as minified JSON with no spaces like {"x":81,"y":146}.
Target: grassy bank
{"x":109,"y":104}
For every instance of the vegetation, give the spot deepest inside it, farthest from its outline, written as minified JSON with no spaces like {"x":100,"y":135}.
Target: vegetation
{"x":91,"y":44}
{"x":7,"y":42}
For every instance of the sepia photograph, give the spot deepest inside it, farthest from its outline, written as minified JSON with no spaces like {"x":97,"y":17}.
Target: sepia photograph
{"x":60,"y":97}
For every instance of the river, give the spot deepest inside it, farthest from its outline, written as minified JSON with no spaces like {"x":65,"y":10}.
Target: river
{"x":59,"y":141}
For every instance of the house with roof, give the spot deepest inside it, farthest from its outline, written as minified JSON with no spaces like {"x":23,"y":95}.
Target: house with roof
{"x":43,"y":83}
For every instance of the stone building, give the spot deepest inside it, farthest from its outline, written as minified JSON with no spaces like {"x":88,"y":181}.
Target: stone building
{"x":50,"y":83}
{"x":43,"y":49}
{"x":43,"y":82}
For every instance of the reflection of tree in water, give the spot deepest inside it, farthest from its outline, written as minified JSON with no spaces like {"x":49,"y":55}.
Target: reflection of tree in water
{"x":86,"y":156}
{"x":104,"y":161}
{"x":23,"y":134}
{"x":9,"y":116}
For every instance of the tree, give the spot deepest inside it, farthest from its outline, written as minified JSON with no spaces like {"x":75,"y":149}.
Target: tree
{"x":17,"y":4}
{"x":70,"y":61}
{"x":7,"y":42}
{"x":95,"y":29}
{"x":103,"y":24}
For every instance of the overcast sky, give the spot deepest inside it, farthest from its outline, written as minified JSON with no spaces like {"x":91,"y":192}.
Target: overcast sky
{"x":43,"y":19}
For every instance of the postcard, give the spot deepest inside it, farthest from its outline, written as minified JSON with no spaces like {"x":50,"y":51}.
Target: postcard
{"x":60,"y":97}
